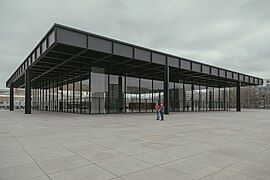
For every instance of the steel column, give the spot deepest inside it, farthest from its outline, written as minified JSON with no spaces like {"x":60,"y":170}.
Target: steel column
{"x":81,"y":93}
{"x":40,"y":97}
{"x":166,"y":89}
{"x":53,"y":95}
{"x":213,"y":98}
{"x":27,"y":92}
{"x":152,"y":93}
{"x":192,"y":97}
{"x":120,"y":94}
{"x":43,"y":100}
{"x":139,"y":95}
{"x":238,"y":96}
{"x":229,"y":98}
{"x":73,"y":93}
{"x":125,"y":89}
{"x":89,"y":90}
{"x":11,"y":97}
{"x":224,"y":98}
{"x":49,"y":96}
{"x":206,"y":99}
{"x":200,"y":98}
{"x":184,"y":97}
{"x":57,"y":94}
{"x":219,"y":99}
{"x":108,"y":96}
{"x":46,"y":97}
{"x":67,"y":93}
{"x":62,"y":95}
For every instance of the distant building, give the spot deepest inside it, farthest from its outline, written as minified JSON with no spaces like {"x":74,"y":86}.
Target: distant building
{"x":266,"y":83}
{"x":18,"y":98}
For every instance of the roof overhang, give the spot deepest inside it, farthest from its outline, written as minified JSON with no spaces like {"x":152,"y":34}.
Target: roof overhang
{"x":67,"y":52}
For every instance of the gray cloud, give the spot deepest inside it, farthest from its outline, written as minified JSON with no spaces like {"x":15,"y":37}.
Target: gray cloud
{"x":231,"y":34}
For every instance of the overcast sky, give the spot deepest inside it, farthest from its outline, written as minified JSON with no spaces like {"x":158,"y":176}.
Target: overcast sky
{"x":233,"y":34}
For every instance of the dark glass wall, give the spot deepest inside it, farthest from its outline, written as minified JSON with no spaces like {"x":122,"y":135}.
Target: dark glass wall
{"x":146,"y":102}
{"x":132,"y":95}
{"x":99,"y":92}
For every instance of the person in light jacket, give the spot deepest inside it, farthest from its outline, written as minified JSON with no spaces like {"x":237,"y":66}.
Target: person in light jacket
{"x":157,"y":108}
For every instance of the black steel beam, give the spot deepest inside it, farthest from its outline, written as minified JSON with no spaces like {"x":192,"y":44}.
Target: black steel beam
{"x":81,"y":94}
{"x":11,"y":97}
{"x":166,"y":89}
{"x":27,"y":92}
{"x":238,"y":96}
{"x":59,"y":65}
{"x":224,"y":98}
{"x":192,"y":97}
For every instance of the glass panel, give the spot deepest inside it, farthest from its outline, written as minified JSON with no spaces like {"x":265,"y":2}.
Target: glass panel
{"x":187,"y":97}
{"x":77,"y":96}
{"x":47,"y":99}
{"x":171,"y":97}
{"x":51,"y":97}
{"x":132,"y":94}
{"x":99,"y":91}
{"x":146,"y":95}
{"x":202,"y":105}
{"x":85,"y":96}
{"x":196,"y":97}
{"x":64,"y":103}
{"x":227,"y":98}
{"x":178,"y":97}
{"x":116,"y":94}
{"x":210,"y":99}
{"x":157,"y":91}
{"x":221,"y":98}
{"x":216,"y":99}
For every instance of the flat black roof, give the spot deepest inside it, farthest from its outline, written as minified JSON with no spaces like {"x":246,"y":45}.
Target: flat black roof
{"x":65,"y":51}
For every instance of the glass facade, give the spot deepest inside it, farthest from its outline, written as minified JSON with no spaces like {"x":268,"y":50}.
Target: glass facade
{"x":132,"y":95}
{"x":99,"y":92}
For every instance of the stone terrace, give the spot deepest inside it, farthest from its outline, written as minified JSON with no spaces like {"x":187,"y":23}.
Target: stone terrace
{"x":199,"y":145}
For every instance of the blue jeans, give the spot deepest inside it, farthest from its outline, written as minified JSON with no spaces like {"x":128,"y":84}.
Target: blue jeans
{"x":162,"y":115}
{"x":157,"y":115}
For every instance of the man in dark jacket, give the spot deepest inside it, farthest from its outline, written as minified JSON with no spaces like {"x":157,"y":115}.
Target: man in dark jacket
{"x":161,"y":111}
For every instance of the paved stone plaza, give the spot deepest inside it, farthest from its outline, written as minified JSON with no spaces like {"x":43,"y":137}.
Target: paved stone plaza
{"x":199,"y":145}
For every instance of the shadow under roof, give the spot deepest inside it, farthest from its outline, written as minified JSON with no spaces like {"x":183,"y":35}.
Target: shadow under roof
{"x":68,"y":52}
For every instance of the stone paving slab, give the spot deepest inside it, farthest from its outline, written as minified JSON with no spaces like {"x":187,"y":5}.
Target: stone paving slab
{"x":200,"y":145}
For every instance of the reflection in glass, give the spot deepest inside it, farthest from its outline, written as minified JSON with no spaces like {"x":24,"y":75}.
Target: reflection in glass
{"x":146,"y":95}
{"x":158,"y":93}
{"x":132,"y":94}
{"x":99,"y":91}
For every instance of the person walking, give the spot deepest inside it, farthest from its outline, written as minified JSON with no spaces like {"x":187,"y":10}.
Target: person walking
{"x":157,"y":108}
{"x":161,"y":111}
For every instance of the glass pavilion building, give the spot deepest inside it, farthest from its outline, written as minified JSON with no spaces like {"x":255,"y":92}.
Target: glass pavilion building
{"x":74,"y":71}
